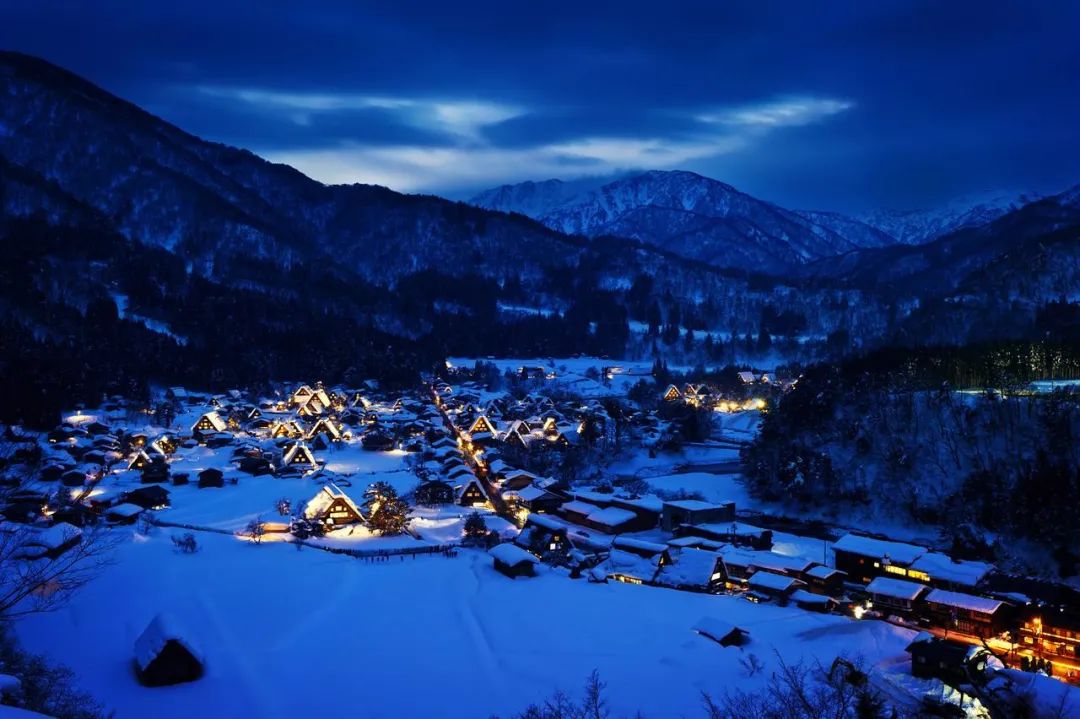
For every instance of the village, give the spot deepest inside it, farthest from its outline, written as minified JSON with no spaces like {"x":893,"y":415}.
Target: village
{"x":537,"y":471}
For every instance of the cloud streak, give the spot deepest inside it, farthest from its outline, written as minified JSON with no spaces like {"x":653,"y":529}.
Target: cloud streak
{"x":791,"y":112}
{"x":464,"y":118}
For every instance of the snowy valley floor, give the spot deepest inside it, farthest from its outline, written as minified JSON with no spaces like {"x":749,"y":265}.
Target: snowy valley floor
{"x":289,"y":633}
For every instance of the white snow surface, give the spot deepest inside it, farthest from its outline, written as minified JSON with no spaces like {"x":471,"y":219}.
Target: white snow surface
{"x":386,"y":624}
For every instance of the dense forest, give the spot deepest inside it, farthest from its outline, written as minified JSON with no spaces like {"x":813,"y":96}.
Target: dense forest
{"x":891,"y":433}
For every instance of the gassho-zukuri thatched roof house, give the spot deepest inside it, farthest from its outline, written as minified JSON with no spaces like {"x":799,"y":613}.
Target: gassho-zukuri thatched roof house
{"x":165,"y":655}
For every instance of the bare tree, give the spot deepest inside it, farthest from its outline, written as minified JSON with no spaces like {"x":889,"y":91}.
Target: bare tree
{"x":30,"y":583}
{"x":802,"y":691}
{"x":255,"y":530}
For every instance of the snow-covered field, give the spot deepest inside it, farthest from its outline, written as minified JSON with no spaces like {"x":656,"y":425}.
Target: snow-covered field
{"x":290,"y":633}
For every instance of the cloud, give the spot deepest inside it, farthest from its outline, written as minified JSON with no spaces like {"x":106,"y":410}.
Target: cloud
{"x":464,"y":118}
{"x":790,"y":112}
{"x":475,"y":144}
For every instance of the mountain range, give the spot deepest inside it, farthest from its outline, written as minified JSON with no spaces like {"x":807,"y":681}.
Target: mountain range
{"x":244,"y":258}
{"x":707,"y":220}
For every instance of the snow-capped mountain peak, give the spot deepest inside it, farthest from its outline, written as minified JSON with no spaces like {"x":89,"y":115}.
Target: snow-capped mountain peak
{"x":919,"y":226}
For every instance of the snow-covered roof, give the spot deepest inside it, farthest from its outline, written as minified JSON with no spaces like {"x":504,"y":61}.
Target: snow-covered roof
{"x":959,"y":600}
{"x":822,"y":572}
{"x":511,"y":554}
{"x":898,"y":552}
{"x":579,"y":507}
{"x":775,"y":582}
{"x":650,"y":503}
{"x":631,"y":565}
{"x":547,"y":522}
{"x":716,"y":629}
{"x":215,"y":421}
{"x":612,"y":516}
{"x":1045,"y":695}
{"x":727,"y":528}
{"x":318,"y":504}
{"x":55,"y":536}
{"x":764,"y":559}
{"x":691,"y":567}
{"x":943,"y":567}
{"x":693,"y":505}
{"x":294,"y":450}
{"x":804,"y":597}
{"x":896,"y":588}
{"x":161,"y":631}
{"x":125,"y":510}
{"x":638,"y":544}
{"x":531,"y":493}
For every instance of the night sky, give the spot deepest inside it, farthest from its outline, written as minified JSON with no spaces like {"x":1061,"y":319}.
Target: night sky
{"x":814,"y":105}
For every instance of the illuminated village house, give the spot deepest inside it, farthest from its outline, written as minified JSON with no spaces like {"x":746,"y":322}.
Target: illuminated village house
{"x":332,"y":507}
{"x":297,"y":457}
{"x":473,"y":494}
{"x":208,"y":424}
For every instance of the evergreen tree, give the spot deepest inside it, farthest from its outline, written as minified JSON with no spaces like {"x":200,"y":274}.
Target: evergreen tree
{"x":475,"y":527}
{"x":386,"y":513}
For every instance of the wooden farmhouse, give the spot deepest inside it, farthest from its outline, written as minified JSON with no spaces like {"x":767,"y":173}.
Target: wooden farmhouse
{"x":298,"y":458}
{"x":472,"y":494}
{"x":209,"y":423}
{"x":332,"y":507}
{"x":286,"y":430}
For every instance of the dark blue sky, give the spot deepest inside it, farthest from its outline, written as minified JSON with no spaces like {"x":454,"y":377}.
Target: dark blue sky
{"x":828,"y":105}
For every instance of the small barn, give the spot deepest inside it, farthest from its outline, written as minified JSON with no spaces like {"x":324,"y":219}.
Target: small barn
{"x":211,"y":478}
{"x":950,"y":661}
{"x":156,"y":471}
{"x":125,"y":513}
{"x":164,"y":655}
{"x":694,"y":512}
{"x":332,"y":507}
{"x":723,"y":633}
{"x":513,"y":561}
{"x":255,"y":465}
{"x":152,"y":497}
